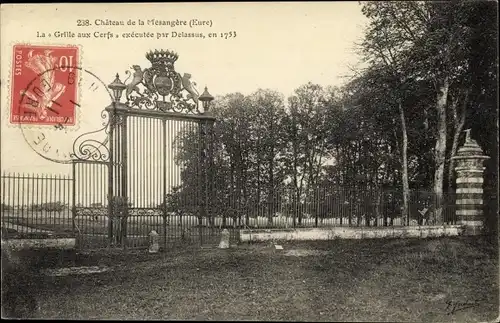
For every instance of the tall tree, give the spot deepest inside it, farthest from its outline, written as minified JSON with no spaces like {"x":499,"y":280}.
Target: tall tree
{"x":271,"y":142}
{"x":428,"y":38}
{"x":307,"y":124}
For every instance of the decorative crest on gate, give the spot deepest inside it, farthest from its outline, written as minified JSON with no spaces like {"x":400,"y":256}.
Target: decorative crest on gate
{"x":160,"y":87}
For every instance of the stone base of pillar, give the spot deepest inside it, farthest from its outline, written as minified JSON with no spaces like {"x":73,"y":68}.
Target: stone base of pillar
{"x":472,"y":228}
{"x":154,"y":240}
{"x":224,"y":240}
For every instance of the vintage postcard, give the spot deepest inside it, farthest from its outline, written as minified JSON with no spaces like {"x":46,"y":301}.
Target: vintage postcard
{"x":278,"y":161}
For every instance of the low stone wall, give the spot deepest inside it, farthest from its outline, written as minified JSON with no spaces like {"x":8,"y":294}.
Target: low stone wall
{"x":350,"y":233}
{"x":56,"y":243}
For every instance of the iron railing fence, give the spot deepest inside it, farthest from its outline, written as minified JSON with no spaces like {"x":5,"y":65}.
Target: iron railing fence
{"x":34,"y":204}
{"x":38,"y":204}
{"x":41,"y":205}
{"x":337,"y":206}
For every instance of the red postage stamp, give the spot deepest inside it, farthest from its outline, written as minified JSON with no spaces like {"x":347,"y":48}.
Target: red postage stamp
{"x":44,"y":85}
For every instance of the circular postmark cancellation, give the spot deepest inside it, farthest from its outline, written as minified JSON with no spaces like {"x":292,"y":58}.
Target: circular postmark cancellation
{"x":55,"y":101}
{"x":55,"y":140}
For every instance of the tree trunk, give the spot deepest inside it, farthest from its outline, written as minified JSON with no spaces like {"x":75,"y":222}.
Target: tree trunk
{"x":270,"y":196}
{"x":404,"y":173}
{"x":232,"y":203}
{"x":256,"y":207}
{"x":458,"y":125}
{"x":245,"y":198}
{"x":239,"y":172}
{"x":270,"y":204}
{"x":458,"y":114}
{"x":440,"y":150}
{"x":295,"y":189}
{"x":454,"y":148}
{"x":295,"y":176}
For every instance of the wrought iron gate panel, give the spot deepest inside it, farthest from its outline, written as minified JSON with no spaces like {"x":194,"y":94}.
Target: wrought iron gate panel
{"x":157,"y":158}
{"x":153,"y":174}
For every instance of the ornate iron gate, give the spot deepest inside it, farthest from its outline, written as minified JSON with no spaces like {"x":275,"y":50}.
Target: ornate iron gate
{"x":153,"y":170}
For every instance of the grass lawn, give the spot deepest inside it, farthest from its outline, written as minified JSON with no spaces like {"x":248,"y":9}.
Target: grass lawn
{"x":445,"y":280}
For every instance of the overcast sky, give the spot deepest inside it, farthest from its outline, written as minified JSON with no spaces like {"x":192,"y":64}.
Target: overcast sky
{"x":277,"y":46}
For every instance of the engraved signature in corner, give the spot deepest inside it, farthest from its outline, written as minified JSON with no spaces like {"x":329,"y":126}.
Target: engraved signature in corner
{"x":455,"y":306}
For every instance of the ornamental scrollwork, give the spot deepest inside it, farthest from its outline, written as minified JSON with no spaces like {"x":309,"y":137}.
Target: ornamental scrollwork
{"x":90,"y":146}
{"x":91,"y":211}
{"x":145,"y":212}
{"x":160,"y":87}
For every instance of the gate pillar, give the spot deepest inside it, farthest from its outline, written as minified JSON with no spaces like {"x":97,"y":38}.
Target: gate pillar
{"x":469,"y":201}
{"x":206,"y":132}
{"x":117,"y":167}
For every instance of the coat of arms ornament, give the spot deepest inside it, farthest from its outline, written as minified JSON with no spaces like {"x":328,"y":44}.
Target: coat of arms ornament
{"x":160,"y":87}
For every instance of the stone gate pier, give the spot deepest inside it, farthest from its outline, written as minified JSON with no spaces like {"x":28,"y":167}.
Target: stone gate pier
{"x":469,"y":199}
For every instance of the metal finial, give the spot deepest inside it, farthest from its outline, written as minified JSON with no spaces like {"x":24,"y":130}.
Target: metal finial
{"x":467,"y":135}
{"x":205,"y":96}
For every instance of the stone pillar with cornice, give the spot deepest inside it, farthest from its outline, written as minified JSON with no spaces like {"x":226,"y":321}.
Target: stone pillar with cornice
{"x":469,"y":198}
